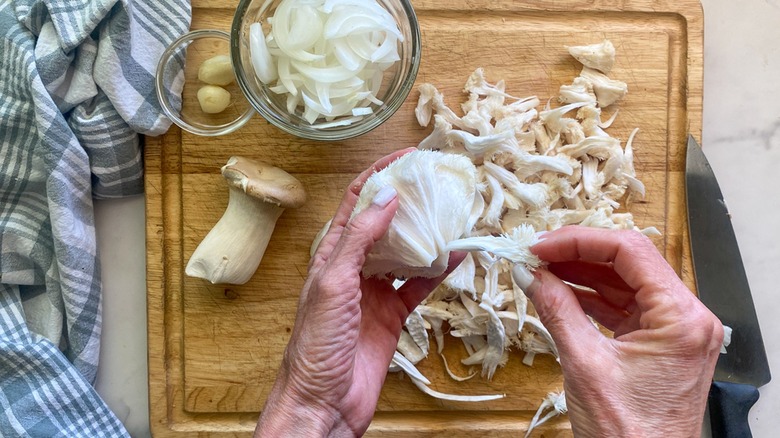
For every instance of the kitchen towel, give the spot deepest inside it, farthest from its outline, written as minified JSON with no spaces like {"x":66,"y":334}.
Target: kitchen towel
{"x":76,"y":90}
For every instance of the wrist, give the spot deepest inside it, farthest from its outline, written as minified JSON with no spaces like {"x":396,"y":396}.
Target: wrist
{"x":288,"y":419}
{"x":611,"y":418}
{"x":287,"y":413}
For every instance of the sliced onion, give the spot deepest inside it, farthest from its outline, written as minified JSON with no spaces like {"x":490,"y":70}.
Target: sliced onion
{"x":346,"y":56}
{"x":367,"y":95}
{"x":362,"y":111}
{"x":383,"y":64}
{"x":285,"y":76}
{"x":344,"y":91}
{"x":336,"y":123}
{"x":338,"y":108}
{"x":349,"y":21}
{"x":293,"y":100}
{"x":361,"y":46}
{"x":278,"y":89}
{"x":388,"y":46}
{"x":310,"y":114}
{"x":370,"y":6}
{"x":327,"y":56}
{"x":323,"y":94}
{"x":281,"y":32}
{"x":375,"y":82}
{"x":306,"y":27}
{"x":275,"y":52}
{"x":262,"y":61}
{"x":354,"y":81}
{"x":322,"y":74}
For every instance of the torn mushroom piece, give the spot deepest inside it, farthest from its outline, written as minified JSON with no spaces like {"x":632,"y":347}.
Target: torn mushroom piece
{"x":599,"y":56}
{"x":233,"y":249}
{"x":608,"y":91}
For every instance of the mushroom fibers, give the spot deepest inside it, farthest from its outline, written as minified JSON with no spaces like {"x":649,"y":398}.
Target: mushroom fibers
{"x":436,"y":194}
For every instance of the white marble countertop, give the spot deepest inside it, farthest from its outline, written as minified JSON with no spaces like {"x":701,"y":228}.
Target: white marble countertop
{"x":741,"y":138}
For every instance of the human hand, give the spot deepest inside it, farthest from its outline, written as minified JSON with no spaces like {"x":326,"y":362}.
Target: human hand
{"x":346,"y":329}
{"x":653,"y":377}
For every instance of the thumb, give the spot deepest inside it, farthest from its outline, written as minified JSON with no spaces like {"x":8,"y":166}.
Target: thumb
{"x":365,"y":229}
{"x":559,"y":310}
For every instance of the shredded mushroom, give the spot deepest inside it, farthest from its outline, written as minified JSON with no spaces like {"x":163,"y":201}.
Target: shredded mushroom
{"x":555,"y":403}
{"x":538,"y":169}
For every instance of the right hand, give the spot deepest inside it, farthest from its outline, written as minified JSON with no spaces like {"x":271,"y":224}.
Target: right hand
{"x":653,"y":376}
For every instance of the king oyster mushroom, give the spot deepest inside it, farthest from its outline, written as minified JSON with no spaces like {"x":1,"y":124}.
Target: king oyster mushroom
{"x":233,"y":249}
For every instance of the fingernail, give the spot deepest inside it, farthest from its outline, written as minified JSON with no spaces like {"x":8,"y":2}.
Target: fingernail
{"x":384,"y":196}
{"x":524,"y":279}
{"x":541,"y":235}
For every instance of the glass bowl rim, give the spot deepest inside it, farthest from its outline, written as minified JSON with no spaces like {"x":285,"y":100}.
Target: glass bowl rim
{"x":164,"y":101}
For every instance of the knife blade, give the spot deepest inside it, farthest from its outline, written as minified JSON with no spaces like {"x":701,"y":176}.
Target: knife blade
{"x":723,"y":287}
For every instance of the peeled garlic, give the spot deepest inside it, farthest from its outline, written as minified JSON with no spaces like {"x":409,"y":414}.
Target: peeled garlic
{"x":217,"y":70}
{"x":213,"y":99}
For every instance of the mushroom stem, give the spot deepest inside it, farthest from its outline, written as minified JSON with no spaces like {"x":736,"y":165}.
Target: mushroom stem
{"x":233,"y":249}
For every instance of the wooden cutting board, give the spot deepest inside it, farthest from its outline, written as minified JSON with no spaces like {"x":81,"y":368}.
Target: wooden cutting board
{"x":214,"y":350}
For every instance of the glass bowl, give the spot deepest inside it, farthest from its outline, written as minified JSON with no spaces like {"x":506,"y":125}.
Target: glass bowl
{"x":177,"y":85}
{"x":397,"y":82}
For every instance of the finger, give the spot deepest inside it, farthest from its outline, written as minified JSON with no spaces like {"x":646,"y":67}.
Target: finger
{"x":352,"y":194}
{"x":601,"y":310}
{"x":363,"y":231}
{"x":600,"y":277}
{"x":634,"y":257}
{"x":417,"y":289}
{"x":348,"y":201}
{"x":560,"y":311}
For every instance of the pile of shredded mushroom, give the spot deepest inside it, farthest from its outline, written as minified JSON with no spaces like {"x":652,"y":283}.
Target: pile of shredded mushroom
{"x":538,"y":170}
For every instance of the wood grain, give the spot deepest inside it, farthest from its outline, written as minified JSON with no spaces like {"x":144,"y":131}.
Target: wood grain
{"x":214,"y":349}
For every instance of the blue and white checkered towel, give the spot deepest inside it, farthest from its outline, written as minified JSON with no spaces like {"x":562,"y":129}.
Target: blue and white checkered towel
{"x":76,"y":89}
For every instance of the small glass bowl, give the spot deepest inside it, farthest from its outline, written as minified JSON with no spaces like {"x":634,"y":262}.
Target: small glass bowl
{"x":398,"y":79}
{"x":177,"y":85}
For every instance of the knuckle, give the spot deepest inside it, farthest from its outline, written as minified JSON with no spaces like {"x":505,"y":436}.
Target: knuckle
{"x":701,"y":332}
{"x":356,"y":224}
{"x":359,"y":233}
{"x":635,"y":239}
{"x":549,"y":306}
{"x":646,"y":256}
{"x":363,"y":229}
{"x":359,"y":224}
{"x":317,"y":261}
{"x":717,"y":335}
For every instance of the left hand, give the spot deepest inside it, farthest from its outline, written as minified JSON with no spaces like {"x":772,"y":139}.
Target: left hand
{"x":347,"y":327}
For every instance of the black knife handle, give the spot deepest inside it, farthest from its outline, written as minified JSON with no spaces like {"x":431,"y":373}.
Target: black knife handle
{"x":730,"y":404}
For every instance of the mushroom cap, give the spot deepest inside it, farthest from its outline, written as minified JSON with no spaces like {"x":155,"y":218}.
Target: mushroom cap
{"x":265,"y":182}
